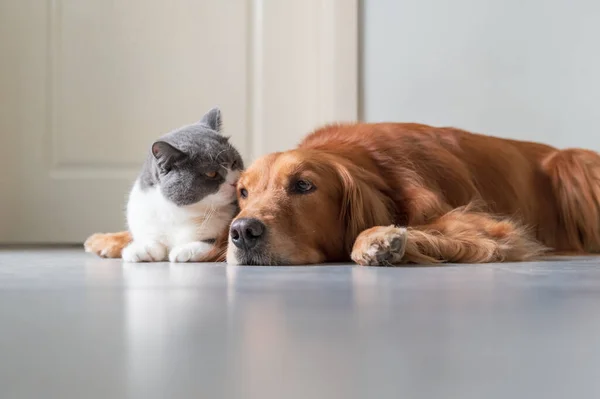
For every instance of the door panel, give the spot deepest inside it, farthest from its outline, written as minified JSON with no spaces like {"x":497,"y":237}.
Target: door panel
{"x":94,"y":82}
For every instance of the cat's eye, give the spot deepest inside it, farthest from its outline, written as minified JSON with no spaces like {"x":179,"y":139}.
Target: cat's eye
{"x":243,"y":193}
{"x":234,"y":165}
{"x":211,"y":175}
{"x":303,"y":186}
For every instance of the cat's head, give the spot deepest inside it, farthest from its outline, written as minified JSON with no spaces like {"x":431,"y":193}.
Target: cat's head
{"x":196,"y":164}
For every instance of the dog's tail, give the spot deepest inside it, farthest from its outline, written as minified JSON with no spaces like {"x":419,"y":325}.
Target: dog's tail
{"x":575,"y":177}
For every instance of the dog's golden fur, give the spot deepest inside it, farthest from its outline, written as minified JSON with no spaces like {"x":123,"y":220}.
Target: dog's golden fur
{"x":407,"y":193}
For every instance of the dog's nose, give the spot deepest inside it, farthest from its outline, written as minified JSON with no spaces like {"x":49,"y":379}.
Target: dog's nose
{"x":246,"y":233}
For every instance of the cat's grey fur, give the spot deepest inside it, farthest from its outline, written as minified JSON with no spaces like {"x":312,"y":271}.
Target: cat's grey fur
{"x":178,"y":161}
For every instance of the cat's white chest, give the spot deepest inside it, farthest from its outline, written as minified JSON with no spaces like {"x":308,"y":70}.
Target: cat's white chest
{"x":153,"y":218}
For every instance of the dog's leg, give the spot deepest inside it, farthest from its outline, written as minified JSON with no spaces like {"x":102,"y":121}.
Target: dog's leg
{"x":575,"y":177}
{"x":458,"y":236}
{"x":107,"y":245}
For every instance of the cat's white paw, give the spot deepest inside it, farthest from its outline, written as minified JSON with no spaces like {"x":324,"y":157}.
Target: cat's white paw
{"x":144,"y":252}
{"x":190,"y":252}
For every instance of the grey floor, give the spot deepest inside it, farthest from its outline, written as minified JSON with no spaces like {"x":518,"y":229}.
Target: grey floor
{"x":75,"y":326}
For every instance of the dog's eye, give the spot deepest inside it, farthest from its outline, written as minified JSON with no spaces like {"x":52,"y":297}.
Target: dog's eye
{"x":211,"y":175}
{"x":303,"y":186}
{"x":243,"y":193}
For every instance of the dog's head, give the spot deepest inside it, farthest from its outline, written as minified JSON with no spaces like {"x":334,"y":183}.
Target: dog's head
{"x":303,"y":207}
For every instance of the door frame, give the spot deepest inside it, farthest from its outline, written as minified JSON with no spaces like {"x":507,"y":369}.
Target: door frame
{"x":322,"y":35}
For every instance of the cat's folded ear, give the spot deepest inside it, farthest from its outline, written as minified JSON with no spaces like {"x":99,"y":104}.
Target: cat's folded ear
{"x":212,"y":120}
{"x":166,"y":155}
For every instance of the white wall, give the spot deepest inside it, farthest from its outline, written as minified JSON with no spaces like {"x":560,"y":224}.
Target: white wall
{"x":527,"y":69}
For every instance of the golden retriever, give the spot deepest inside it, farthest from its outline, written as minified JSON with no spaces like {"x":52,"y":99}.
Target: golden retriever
{"x":395,"y":193}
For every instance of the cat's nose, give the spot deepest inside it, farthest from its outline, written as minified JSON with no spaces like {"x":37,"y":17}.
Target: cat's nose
{"x":246,"y":232}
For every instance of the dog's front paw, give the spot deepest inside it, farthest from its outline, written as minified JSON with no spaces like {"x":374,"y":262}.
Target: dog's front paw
{"x":144,"y":252}
{"x":380,"y":246}
{"x":107,"y":245}
{"x":190,"y":252}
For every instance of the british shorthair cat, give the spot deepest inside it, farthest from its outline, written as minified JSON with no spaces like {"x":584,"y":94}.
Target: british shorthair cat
{"x":185,"y":195}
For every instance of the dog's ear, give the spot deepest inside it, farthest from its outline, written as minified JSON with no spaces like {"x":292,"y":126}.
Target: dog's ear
{"x":364,"y":202}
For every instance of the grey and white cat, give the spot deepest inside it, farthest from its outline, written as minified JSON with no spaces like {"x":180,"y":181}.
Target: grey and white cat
{"x":185,"y":194}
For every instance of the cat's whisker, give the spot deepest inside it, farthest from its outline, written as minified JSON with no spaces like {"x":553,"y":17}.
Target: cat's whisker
{"x":219,"y":154}
{"x":209,"y":214}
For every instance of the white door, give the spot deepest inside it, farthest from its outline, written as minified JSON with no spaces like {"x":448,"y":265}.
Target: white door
{"x":86,"y":85}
